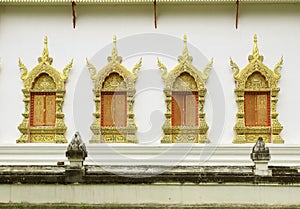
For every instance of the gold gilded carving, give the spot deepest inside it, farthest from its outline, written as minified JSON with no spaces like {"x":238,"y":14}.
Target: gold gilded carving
{"x":44,"y":83}
{"x":185,"y":82}
{"x":136,"y":69}
{"x":23,"y":69}
{"x":44,"y":89}
{"x":277,"y":69}
{"x":42,"y":138}
{"x":163,"y":68}
{"x":257,"y":96}
{"x":256,"y":81}
{"x":114,"y":98}
{"x":180,"y":138}
{"x":93,"y":71}
{"x":235,"y":68}
{"x":114,"y":82}
{"x":66,"y":71}
{"x":185,"y":97}
{"x":206,"y":70}
{"x":114,"y":139}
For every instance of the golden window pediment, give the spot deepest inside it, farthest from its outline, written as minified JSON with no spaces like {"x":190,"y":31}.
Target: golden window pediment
{"x":257,"y":95}
{"x":256,"y":81}
{"x":44,"y":89}
{"x":185,"y":96}
{"x":185,"y":82}
{"x":114,"y":82}
{"x":44,"y":82}
{"x":114,"y":89}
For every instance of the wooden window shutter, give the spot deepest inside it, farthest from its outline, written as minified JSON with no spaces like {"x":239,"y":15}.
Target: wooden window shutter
{"x":43,"y":109}
{"x":184,"y":109}
{"x":191,"y":110}
{"x":257,"y":109}
{"x":113,"y":109}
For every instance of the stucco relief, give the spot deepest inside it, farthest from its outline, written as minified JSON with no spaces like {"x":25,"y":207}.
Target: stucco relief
{"x":44,"y":89}
{"x":114,"y":89}
{"x":185,"y":95}
{"x":257,"y":93}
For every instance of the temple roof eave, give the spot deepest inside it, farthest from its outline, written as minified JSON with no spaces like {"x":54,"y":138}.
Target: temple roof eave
{"x":124,"y":2}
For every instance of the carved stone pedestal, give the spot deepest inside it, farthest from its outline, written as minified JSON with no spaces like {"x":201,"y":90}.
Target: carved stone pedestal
{"x":261,"y":156}
{"x":261,"y":168}
{"x":76,"y":152}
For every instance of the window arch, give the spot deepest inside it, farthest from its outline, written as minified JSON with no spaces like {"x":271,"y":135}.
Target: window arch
{"x":185,"y":101}
{"x":257,"y":101}
{"x":44,"y":89}
{"x":257,"y":91}
{"x":114,"y":91}
{"x":43,"y":101}
{"x":114,"y":101}
{"x":185,"y":96}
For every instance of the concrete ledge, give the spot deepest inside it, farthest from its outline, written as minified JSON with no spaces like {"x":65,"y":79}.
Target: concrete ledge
{"x":168,"y":154}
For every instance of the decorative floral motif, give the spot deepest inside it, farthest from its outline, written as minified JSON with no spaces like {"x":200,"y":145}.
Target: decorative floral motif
{"x":44,"y":83}
{"x":114,"y":82}
{"x":185,"y":82}
{"x":256,"y":81}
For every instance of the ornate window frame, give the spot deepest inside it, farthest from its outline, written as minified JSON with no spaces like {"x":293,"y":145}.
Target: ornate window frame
{"x":114,"y":134}
{"x":196,"y":86}
{"x":43,"y":134}
{"x":265,"y":82}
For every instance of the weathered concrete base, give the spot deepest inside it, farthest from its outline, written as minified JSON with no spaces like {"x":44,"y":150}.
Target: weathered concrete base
{"x":261,"y":168}
{"x":263,"y":172}
{"x":158,"y":194}
{"x":152,"y":185}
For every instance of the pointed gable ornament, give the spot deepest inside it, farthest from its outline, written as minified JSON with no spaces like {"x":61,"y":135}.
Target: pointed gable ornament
{"x":257,"y":96}
{"x":185,"y":97}
{"x":44,"y":89}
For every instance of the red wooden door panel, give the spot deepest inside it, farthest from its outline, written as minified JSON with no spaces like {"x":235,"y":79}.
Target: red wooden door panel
{"x":50,"y":110}
{"x":191,"y":107}
{"x":113,"y":109}
{"x":177,"y":109}
{"x":257,"y":109}
{"x":184,"y":109}
{"x":106,"y":110}
{"x":120,"y":107}
{"x":263,"y":109}
{"x":38,"y":112}
{"x":43,"y":109}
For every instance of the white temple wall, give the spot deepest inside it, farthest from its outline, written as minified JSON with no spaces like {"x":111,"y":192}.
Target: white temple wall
{"x":159,"y":194}
{"x":210,"y":30}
